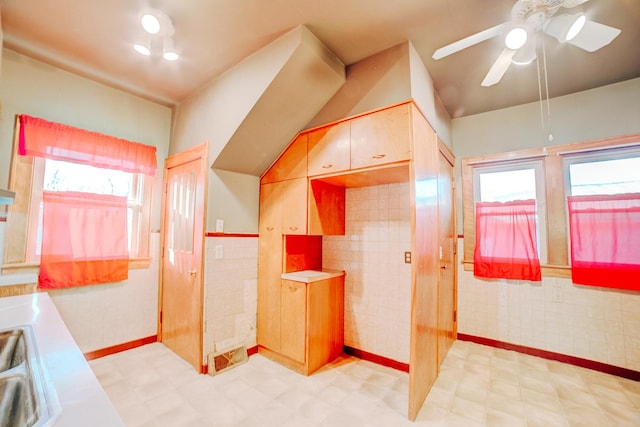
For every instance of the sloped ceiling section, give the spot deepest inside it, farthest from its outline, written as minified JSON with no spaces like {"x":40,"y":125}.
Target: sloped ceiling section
{"x":299,"y":90}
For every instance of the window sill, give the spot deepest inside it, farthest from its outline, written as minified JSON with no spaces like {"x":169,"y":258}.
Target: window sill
{"x":31,"y":267}
{"x":563,"y":271}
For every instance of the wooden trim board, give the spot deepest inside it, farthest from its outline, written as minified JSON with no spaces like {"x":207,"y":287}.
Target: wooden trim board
{"x":564,"y":358}
{"x":96,"y":354}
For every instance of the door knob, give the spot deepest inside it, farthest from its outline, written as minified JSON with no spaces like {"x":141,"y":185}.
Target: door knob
{"x":193,"y":272}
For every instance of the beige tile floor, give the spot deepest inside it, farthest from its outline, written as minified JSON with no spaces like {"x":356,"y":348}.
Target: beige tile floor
{"x":477,"y":386}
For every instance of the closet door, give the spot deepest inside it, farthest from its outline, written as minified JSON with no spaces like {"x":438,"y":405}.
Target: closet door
{"x":448,"y":240}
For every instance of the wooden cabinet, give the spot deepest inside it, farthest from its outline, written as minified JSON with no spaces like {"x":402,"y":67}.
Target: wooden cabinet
{"x":312,"y":316}
{"x":294,"y":319}
{"x":291,"y":164}
{"x":381,"y":137}
{"x":294,"y":206}
{"x":283,"y":207}
{"x":329,"y":149}
{"x":300,"y":325}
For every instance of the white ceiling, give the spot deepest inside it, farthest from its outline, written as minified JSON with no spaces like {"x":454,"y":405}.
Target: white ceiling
{"x":94,"y":38}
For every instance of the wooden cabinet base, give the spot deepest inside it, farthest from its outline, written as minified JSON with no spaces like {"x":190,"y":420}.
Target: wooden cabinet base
{"x":298,"y":367}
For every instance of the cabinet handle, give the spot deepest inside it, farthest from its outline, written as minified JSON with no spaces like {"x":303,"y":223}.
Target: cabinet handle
{"x":293,"y":228}
{"x":293,"y":288}
{"x":378,"y":156}
{"x":269,"y":228}
{"x":327,"y":166}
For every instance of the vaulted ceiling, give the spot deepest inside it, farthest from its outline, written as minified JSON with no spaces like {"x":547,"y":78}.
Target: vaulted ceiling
{"x":94,"y":38}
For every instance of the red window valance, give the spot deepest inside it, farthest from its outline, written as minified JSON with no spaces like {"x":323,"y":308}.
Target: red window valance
{"x":57,"y":141}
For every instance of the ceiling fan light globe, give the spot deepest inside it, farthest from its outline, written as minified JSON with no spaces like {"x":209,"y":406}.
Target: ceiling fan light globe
{"x":576,"y":27}
{"x":150,"y":23}
{"x":142,"y":49}
{"x":516,"y":38}
{"x":170,"y":55}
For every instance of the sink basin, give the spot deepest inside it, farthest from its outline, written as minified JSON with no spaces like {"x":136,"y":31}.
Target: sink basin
{"x":27,"y":397}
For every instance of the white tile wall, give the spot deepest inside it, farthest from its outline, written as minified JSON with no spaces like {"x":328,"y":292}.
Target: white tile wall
{"x":555,"y":315}
{"x":377,"y":281}
{"x":231,"y":293}
{"x":100,"y":316}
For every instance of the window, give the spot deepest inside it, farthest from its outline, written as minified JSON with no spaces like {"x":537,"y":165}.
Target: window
{"x":65,"y":176}
{"x":601,"y":174}
{"x":608,"y":166}
{"x":604,"y":218}
{"x":31,"y":174}
{"x":515,"y":181}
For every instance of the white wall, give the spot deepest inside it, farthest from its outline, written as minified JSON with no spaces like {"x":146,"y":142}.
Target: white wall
{"x":214,"y":113}
{"x":98,"y":316}
{"x":377,"y":313}
{"x":593,"y":323}
{"x":231,"y":297}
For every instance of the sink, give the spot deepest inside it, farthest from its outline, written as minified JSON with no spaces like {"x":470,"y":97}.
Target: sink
{"x":27,"y":397}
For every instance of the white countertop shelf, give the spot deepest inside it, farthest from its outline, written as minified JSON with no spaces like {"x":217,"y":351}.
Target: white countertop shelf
{"x":309,"y":276}
{"x":81,"y":397}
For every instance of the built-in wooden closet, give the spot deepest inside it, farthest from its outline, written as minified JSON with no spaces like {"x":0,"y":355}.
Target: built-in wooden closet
{"x":302,"y":198}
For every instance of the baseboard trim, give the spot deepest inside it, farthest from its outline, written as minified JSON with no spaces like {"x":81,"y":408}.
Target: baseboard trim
{"x":380,"y":360}
{"x":96,"y":354}
{"x":252,"y":350}
{"x":550,"y":355}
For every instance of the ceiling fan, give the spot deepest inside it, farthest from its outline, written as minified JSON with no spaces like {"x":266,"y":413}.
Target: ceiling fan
{"x":528,"y":18}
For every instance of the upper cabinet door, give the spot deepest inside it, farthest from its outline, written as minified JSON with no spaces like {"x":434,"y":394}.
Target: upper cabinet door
{"x":291,"y":164}
{"x":381,"y":137}
{"x":329,"y":149}
{"x":294,"y":206}
{"x":271,"y":196}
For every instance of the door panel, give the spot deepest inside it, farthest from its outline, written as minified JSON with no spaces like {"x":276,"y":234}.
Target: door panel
{"x":183,"y":232}
{"x":447,"y":239}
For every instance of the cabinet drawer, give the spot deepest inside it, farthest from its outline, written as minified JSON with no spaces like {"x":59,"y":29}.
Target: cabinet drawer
{"x":329,"y":149}
{"x":381,"y":137}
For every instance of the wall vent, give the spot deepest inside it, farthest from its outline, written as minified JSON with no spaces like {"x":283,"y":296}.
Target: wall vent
{"x":221,"y":361}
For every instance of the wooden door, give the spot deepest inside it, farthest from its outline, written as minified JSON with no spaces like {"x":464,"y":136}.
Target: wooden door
{"x":423,"y":363}
{"x":448,"y":240}
{"x":181,"y":290}
{"x":294,"y":320}
{"x":381,"y":137}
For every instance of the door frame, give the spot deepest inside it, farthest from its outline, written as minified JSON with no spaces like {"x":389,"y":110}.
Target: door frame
{"x":199,"y":152}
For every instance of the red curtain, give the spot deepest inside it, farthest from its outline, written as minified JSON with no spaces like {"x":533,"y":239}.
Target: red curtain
{"x":84,"y":239}
{"x":605,"y":240}
{"x":506,"y":241}
{"x":61,"y":142}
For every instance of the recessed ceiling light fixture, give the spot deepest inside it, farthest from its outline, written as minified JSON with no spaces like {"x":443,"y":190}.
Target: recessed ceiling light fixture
{"x":157,"y":25}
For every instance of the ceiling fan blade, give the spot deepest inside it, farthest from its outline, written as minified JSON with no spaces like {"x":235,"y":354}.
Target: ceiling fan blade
{"x":572,"y":3}
{"x":499,"y":67}
{"x":594,"y":36}
{"x":468,"y":41}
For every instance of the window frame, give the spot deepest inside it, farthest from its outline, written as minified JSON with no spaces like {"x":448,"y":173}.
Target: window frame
{"x":26,"y":179}
{"x":537,"y":166}
{"x":555,"y":177}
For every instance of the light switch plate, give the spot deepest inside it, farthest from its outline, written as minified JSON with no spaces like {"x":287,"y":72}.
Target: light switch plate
{"x":219,"y":252}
